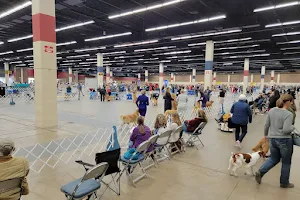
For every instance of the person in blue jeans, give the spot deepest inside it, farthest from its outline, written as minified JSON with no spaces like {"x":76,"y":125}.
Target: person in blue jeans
{"x":241,"y":115}
{"x":278,"y":128}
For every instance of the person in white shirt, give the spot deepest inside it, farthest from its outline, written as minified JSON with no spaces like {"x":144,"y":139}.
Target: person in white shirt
{"x":173,"y":125}
{"x":160,"y":126}
{"x":182,"y":100}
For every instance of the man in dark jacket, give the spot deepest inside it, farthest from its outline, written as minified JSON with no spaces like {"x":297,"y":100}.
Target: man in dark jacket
{"x":241,"y":114}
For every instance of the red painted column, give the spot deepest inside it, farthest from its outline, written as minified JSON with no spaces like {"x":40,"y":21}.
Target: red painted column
{"x":45,"y":70}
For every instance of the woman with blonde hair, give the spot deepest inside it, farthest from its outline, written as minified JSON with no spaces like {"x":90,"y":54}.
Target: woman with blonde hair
{"x":278,"y":129}
{"x":168,"y":100}
{"x":191,"y":125}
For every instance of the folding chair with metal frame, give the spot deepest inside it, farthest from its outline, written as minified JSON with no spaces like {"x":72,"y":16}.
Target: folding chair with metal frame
{"x":159,"y":147}
{"x":172,"y":141}
{"x":86,"y":186}
{"x":195,"y":135}
{"x":151,"y":154}
{"x":11,"y":184}
{"x":131,"y":164}
{"x":112,"y":158}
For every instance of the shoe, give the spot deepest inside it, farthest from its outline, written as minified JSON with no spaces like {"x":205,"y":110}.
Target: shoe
{"x":258,"y":177}
{"x":290,"y":185}
{"x":238,"y":144}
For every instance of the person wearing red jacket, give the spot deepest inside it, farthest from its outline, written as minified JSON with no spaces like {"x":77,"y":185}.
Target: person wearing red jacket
{"x":191,"y":125}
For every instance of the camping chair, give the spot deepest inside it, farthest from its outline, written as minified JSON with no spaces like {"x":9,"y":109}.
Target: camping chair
{"x":173,"y":139}
{"x":152,"y":141}
{"x":131,"y":164}
{"x":195,"y":135}
{"x":87,"y":185}
{"x":165,"y":136}
{"x":11,"y":184}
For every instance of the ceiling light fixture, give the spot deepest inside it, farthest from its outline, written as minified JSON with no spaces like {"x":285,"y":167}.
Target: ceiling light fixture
{"x":197,"y":44}
{"x":186,"y":23}
{"x":15,"y":9}
{"x":136,"y":43}
{"x":15,"y":62}
{"x":291,"y":53}
{"x":154,"y":49}
{"x":290,"y":48}
{"x":237,"y":47}
{"x":22,"y":50}
{"x":108,"y":36}
{"x":290,"y":42}
{"x":207,"y":34}
{"x":78,"y":56}
{"x":283,"y":24}
{"x":1,"y":43}
{"x":57,"y":30}
{"x":21,"y":65}
{"x":293,"y":3}
{"x":113,"y":53}
{"x":286,"y":34}
{"x":90,"y":49}
{"x":173,"y":53}
{"x":233,"y":40}
{"x":122,"y":57}
{"x":66,"y":61}
{"x":74,"y":25}
{"x":66,"y":43}
{"x":145,"y":9}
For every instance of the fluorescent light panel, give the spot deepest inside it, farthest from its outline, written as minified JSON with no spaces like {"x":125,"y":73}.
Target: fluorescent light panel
{"x":108,"y":36}
{"x":113,"y":53}
{"x":289,"y":4}
{"x":90,"y":49}
{"x":136,"y":56}
{"x":154,"y":49}
{"x":66,"y":43}
{"x":218,"y":42}
{"x":22,"y":50}
{"x":290,"y":42}
{"x":15,"y":9}
{"x":207,"y":34}
{"x":290,"y":48}
{"x":136,"y":43}
{"x":145,"y":9}
{"x":286,"y":34}
{"x":283,"y":24}
{"x":186,"y":23}
{"x":237,"y":47}
{"x":79,"y":56}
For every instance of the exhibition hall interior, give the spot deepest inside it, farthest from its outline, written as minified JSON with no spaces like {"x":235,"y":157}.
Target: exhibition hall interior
{"x":149,"y":99}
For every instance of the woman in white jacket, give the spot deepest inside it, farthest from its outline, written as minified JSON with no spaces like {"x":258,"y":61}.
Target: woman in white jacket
{"x":182,"y":100}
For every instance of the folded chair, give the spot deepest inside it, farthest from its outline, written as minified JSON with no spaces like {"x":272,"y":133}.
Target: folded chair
{"x":173,"y":139}
{"x":130,"y":164}
{"x":86,"y":186}
{"x":165,"y":136}
{"x":151,"y":153}
{"x":193,"y":137}
{"x":11,"y":184}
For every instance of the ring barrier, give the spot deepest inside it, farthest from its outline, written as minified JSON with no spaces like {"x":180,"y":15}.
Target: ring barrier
{"x":81,"y":146}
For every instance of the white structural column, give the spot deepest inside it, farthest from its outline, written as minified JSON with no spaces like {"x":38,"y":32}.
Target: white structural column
{"x":215,"y":78}
{"x":190,"y":78}
{"x":107,"y":74}
{"x":161,"y":75}
{"x":45,"y":66}
{"x":172,"y":77}
{"x":146,"y":76}
{"x":209,"y":62}
{"x":262,"y":78}
{"x":6,"y":69}
{"x":100,"y":69}
{"x":251,"y":78}
{"x":111,"y":75}
{"x":228,"y":80}
{"x":194,"y":72}
{"x":139,"y":79}
{"x":272,"y":77}
{"x":70,"y":75}
{"x":278,"y":79}
{"x":246,"y":75}
{"x":22,"y":75}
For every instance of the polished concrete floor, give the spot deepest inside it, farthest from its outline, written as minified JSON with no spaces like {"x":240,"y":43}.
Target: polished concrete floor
{"x":195,"y":174}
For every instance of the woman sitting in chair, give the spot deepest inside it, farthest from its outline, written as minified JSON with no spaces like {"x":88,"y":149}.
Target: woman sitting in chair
{"x":140,"y":134}
{"x":191,"y":125}
{"x":175,"y":122}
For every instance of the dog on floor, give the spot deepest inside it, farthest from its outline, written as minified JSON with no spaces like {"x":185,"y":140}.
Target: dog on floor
{"x":196,"y":107}
{"x":263,"y":145}
{"x":174,"y":102}
{"x":170,"y":112}
{"x":246,"y":160}
{"x":209,"y":104}
{"x":127,"y":119}
{"x":154,"y":101}
{"x":134,"y":97}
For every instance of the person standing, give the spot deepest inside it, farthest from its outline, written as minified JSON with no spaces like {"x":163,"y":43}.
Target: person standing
{"x":275,"y":95}
{"x":168,"y":100}
{"x":241,"y":115}
{"x":102,"y":93}
{"x":79,"y":88}
{"x":142,"y":102}
{"x":182,"y":100}
{"x":221,"y":100}
{"x":278,"y":129}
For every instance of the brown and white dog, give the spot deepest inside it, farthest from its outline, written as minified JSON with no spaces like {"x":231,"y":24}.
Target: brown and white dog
{"x":246,"y":160}
{"x":127,"y":119}
{"x":209,"y":104}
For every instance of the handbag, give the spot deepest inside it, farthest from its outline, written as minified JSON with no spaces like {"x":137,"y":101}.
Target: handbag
{"x":296,"y":138}
{"x":230,"y":124}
